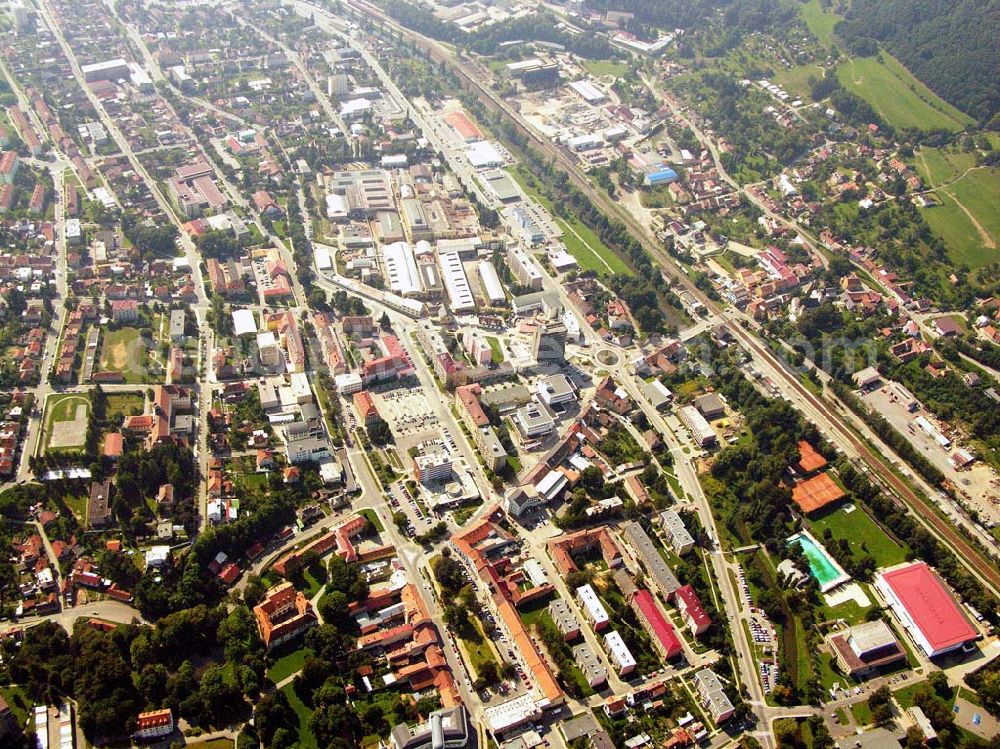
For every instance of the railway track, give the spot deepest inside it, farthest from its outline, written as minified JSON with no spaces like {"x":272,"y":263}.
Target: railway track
{"x":980,"y":566}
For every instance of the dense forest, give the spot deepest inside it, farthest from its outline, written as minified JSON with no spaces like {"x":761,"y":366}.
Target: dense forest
{"x":953,"y":47}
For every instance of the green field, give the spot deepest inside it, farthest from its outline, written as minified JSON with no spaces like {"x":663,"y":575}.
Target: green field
{"x":496,"y":348}
{"x":62,"y":429}
{"x":121,"y":405}
{"x":897,"y":96}
{"x":937,"y":165}
{"x":306,"y":738}
{"x":372,"y":517}
{"x":819,"y":21}
{"x":18,"y":701}
{"x":287,"y":660}
{"x":796,"y":80}
{"x":212,"y":744}
{"x":862,"y":713}
{"x":862,"y":533}
{"x":580,"y":241}
{"x":606,"y":67}
{"x":972,"y":240}
{"x":480,"y":653}
{"x":122,"y":351}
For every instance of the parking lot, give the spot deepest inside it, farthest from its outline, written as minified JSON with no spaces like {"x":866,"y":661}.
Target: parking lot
{"x":979,"y":483}
{"x":401,"y":500}
{"x":410,"y":417}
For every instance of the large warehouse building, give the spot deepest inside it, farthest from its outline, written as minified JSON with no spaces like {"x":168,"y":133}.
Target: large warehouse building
{"x":926,"y":608}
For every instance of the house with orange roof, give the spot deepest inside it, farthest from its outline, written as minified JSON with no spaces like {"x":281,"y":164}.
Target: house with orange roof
{"x":284,"y":614}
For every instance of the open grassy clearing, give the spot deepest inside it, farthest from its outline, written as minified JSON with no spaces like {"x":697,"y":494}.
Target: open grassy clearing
{"x":123,"y":351}
{"x":480,"y":653}
{"x":306,"y":738}
{"x":938,"y":165}
{"x":495,"y":348}
{"x":287,"y":661}
{"x":796,"y":80}
{"x":862,"y":534}
{"x":580,"y":241}
{"x":819,"y":21}
{"x":968,"y":219}
{"x":121,"y":405}
{"x":212,"y":744}
{"x":897,"y":95}
{"x":372,"y":518}
{"x":606,"y":67}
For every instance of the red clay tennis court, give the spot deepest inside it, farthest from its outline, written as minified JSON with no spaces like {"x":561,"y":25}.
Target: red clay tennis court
{"x":815,"y":493}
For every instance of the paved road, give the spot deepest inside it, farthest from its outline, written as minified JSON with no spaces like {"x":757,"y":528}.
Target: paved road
{"x":828,"y":421}
{"x":112,"y":611}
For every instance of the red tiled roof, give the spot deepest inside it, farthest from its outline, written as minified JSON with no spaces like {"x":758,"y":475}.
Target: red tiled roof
{"x":661,"y":628}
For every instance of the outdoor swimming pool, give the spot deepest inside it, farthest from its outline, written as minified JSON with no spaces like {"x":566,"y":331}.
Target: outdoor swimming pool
{"x":823,"y":567}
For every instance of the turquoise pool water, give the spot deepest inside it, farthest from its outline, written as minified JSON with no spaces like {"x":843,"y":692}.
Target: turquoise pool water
{"x":823,"y":567}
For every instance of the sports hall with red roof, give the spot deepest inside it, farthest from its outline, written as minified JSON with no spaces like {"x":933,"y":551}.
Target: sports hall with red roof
{"x":926,"y":608}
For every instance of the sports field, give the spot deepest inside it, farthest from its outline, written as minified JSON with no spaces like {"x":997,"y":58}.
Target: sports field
{"x":897,"y":95}
{"x":606,"y":67}
{"x":123,"y":351}
{"x":65,"y":421}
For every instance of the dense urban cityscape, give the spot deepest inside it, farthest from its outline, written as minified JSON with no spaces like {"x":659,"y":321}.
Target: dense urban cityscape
{"x":446,"y":374}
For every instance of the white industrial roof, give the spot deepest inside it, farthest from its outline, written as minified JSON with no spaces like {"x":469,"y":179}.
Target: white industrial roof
{"x":337,"y":205}
{"x":588,"y":91}
{"x":456,"y":282}
{"x":401,"y":268}
{"x":244,"y":322}
{"x":483,"y":154}
{"x":491,"y":281}
{"x":323,"y":259}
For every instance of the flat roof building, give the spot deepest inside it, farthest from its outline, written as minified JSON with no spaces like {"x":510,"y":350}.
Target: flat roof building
{"x":676,"y":533}
{"x":591,"y":666}
{"x":865,"y":648}
{"x":926,"y":608}
{"x":556,"y":390}
{"x":106,"y":70}
{"x":484,"y":154}
{"x":712,"y":696}
{"x":533,"y":420}
{"x":443,"y":729}
{"x":564,"y":618}
{"x":710,"y":406}
{"x":649,"y":557}
{"x":593,"y":607}
{"x":621,"y":656}
{"x":701,"y":431}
